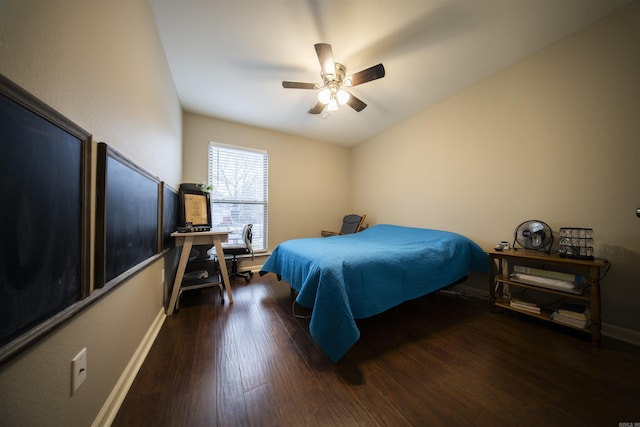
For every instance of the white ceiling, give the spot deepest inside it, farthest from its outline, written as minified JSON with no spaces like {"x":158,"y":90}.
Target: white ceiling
{"x":229,"y":57}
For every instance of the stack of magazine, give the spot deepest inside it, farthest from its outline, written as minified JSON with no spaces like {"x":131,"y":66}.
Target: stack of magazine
{"x":576,"y":315}
{"x":524,"y":304}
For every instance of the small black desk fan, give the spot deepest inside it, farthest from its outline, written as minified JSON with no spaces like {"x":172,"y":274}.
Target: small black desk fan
{"x":535,"y":235}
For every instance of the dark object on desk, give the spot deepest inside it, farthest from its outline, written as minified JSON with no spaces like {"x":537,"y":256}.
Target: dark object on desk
{"x":243,"y":248}
{"x":351,"y":224}
{"x":195,"y":208}
{"x":191,"y":229}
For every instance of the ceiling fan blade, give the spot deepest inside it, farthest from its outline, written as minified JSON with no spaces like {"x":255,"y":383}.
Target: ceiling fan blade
{"x":298,"y":85}
{"x":364,"y":76}
{"x":356,"y":103}
{"x":318,"y":108}
{"x":325,"y":56}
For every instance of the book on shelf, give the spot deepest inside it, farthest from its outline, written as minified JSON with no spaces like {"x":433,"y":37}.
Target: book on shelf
{"x":570,"y":321}
{"x":574,"y":310}
{"x":577,"y":315}
{"x":524,"y":305}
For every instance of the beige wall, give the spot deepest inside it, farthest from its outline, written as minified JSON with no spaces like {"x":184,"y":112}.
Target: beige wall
{"x":555,"y":137}
{"x":308,"y":180}
{"x":101,"y":65}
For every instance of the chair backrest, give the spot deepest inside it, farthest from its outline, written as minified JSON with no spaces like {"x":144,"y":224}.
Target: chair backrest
{"x":247,"y":236}
{"x":351,"y":224}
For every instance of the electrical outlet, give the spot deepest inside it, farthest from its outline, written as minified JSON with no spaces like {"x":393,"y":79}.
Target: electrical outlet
{"x":162,"y":276}
{"x":78,"y":370}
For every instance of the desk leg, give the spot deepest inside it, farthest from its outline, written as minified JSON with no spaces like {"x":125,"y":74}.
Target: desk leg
{"x":182,"y":265}
{"x":223,"y":267}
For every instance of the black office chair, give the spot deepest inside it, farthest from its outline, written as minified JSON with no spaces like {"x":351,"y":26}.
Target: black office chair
{"x":244,"y":248}
{"x":350,"y":224}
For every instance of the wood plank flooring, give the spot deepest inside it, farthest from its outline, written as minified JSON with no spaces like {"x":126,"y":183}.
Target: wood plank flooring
{"x":440,"y":360}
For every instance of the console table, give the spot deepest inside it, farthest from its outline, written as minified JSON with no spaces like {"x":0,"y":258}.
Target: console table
{"x":502,"y":262}
{"x":187,"y":240}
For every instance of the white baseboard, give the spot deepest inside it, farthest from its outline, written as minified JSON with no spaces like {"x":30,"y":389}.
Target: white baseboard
{"x":612,"y":331}
{"x":622,"y":334}
{"x":111,"y":406}
{"x":255,"y":268}
{"x":471,"y":291}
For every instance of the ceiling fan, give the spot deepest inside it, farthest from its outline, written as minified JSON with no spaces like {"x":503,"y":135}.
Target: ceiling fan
{"x":334,"y":82}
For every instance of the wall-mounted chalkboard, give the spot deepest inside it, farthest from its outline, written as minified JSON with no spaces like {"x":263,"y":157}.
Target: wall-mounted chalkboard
{"x":170,"y":213}
{"x":127,"y":222}
{"x":45,"y":162}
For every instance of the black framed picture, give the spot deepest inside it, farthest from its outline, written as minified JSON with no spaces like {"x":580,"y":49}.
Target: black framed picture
{"x":127,"y":217}
{"x":195,"y":209}
{"x":45,"y":184}
{"x":170,"y":212}
{"x":195,"y":206}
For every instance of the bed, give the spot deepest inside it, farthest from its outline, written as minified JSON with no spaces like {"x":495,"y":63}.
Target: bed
{"x":349,"y":277}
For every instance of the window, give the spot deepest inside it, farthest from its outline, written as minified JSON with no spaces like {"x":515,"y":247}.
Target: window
{"x":239,"y":196}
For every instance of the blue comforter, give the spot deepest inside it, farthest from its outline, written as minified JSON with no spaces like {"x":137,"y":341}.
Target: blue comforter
{"x":343,"y":278}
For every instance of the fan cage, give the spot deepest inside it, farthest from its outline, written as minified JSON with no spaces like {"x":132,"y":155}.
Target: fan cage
{"x":548,"y":238}
{"x":576,"y":243}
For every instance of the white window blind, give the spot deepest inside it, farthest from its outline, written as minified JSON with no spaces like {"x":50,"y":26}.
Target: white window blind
{"x":240,"y":187}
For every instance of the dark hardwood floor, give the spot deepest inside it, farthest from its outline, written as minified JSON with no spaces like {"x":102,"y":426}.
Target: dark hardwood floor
{"x":441,"y":360}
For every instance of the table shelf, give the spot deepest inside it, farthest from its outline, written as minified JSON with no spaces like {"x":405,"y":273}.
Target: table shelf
{"x":585,"y":296}
{"x":504,"y":304}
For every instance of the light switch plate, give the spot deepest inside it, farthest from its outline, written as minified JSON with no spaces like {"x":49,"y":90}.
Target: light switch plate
{"x":78,"y":370}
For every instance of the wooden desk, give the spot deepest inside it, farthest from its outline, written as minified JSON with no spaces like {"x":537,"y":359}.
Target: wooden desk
{"x":187,"y":240}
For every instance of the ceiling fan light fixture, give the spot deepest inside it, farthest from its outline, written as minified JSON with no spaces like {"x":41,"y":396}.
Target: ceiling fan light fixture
{"x":324,"y":96}
{"x":342,"y":96}
{"x":333,"y":104}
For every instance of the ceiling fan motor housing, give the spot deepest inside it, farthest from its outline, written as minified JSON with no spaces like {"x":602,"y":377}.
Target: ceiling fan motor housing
{"x":336,"y":78}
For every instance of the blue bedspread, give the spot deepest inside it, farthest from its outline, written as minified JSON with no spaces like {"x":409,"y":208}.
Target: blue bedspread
{"x":343,"y":278}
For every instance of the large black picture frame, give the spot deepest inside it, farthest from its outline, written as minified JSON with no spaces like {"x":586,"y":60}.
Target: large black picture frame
{"x":170,"y":215}
{"x":128,"y":215}
{"x":195,"y":206}
{"x":45,"y":188}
